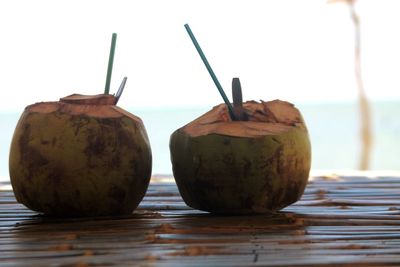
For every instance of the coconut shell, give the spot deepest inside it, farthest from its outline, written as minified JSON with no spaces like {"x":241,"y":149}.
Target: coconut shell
{"x":81,"y":156}
{"x":242,"y":167}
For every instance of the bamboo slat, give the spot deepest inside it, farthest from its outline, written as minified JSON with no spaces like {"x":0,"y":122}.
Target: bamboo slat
{"x":346,"y":221}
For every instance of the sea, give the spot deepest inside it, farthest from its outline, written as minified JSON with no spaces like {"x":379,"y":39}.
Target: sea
{"x":334,"y":130}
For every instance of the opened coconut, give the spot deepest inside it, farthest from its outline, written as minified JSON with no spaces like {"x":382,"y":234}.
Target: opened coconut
{"x":259,"y":164}
{"x":80,"y":156}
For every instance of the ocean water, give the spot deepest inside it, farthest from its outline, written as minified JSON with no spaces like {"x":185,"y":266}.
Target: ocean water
{"x":333,"y":128}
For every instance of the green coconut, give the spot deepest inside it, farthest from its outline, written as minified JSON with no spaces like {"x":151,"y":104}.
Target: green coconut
{"x":81,"y":156}
{"x":242,"y":167}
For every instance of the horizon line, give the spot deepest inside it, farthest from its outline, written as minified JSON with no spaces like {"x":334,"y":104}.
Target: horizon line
{"x":201,"y":106}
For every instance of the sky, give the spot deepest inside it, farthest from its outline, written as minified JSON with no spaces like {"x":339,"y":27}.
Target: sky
{"x":300,"y":51}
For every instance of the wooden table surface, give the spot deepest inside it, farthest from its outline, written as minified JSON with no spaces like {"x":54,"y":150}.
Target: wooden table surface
{"x":340,"y":221}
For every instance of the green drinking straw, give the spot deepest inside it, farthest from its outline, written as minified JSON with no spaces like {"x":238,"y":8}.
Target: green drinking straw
{"x":219,"y":87}
{"x":110,"y":63}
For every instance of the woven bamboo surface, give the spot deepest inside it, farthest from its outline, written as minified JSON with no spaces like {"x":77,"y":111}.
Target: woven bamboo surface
{"x":340,"y":221}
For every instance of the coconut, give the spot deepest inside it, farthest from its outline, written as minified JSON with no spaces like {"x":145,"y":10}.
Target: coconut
{"x":80,"y":156}
{"x":259,"y":165}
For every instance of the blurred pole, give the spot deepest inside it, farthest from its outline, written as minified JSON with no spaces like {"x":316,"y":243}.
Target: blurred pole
{"x":364,"y":105}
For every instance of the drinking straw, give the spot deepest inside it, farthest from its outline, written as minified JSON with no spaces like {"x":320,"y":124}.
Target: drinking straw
{"x":203,"y":57}
{"x":110,"y":63}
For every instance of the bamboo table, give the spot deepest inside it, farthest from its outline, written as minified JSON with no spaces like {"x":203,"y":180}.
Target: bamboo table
{"x":340,"y":221}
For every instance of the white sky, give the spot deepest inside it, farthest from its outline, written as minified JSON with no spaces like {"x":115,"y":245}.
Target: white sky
{"x":293,"y":50}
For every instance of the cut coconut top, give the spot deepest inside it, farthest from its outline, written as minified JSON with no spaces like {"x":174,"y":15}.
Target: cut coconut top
{"x":99,"y":106}
{"x":265,"y":118}
{"x":101,"y":99}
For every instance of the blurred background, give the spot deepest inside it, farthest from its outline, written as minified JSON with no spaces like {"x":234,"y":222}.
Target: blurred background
{"x":337,"y":61}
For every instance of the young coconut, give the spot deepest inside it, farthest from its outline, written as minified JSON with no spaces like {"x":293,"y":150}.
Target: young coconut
{"x":80,"y":156}
{"x":250,"y":158}
{"x":256,"y":166}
